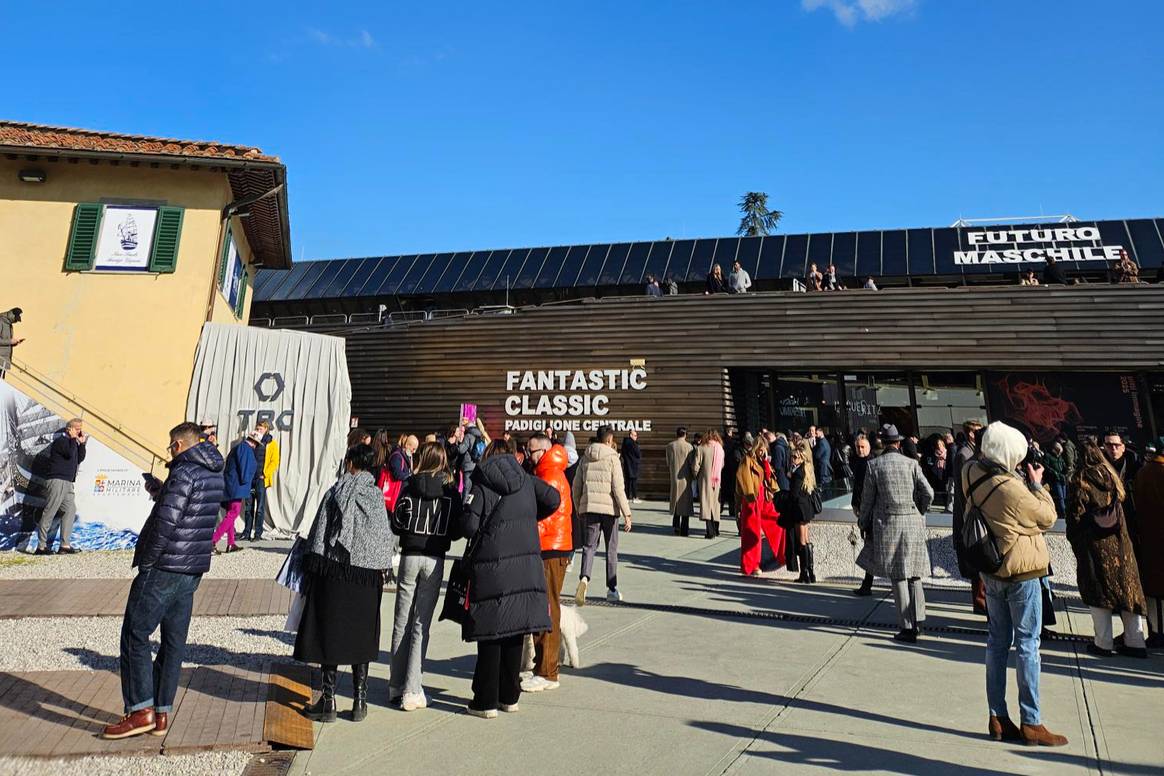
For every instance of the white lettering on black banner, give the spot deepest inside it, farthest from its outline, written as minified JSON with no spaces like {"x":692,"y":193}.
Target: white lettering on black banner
{"x":994,"y":246}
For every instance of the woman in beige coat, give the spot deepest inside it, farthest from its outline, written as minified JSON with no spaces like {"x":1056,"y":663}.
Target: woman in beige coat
{"x":707,"y":467}
{"x":601,"y":497}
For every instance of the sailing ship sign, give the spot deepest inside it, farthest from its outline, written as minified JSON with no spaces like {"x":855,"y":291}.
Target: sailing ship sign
{"x":126,"y":238}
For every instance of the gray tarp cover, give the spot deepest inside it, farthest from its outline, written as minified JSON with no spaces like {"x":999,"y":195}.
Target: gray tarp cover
{"x":301,"y":380}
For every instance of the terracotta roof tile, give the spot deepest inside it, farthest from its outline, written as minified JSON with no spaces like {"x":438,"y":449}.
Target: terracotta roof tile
{"x":14,"y":133}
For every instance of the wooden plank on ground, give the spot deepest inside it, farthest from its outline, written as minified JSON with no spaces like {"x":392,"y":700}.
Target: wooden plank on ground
{"x":290,"y":691}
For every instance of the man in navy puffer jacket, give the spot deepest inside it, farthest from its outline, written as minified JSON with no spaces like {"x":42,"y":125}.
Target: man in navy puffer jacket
{"x":173,"y":552}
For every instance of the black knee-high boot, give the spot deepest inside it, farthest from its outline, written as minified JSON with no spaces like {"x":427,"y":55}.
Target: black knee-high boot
{"x":709,"y":529}
{"x":810,"y":562}
{"x":802,"y":550}
{"x":685,"y":525}
{"x":359,"y":692}
{"x":323,"y":710}
{"x":791,"y":551}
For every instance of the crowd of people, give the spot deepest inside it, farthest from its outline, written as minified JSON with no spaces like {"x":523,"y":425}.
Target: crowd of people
{"x":739,"y":280}
{"x":528,"y":510}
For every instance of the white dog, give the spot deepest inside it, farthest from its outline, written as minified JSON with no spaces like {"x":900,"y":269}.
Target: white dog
{"x":573,"y":628}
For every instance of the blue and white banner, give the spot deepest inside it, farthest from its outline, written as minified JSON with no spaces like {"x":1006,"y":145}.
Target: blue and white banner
{"x":112,"y":504}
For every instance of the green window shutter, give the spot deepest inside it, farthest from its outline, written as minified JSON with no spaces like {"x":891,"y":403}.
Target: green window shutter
{"x":83,"y":237}
{"x":167,"y":235}
{"x":223,"y":256}
{"x":242,"y":296}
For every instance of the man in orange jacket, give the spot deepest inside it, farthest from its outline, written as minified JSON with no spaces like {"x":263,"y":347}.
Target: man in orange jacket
{"x":556,"y":532}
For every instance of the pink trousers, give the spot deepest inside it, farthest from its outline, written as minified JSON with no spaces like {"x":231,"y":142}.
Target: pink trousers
{"x":227,"y":525}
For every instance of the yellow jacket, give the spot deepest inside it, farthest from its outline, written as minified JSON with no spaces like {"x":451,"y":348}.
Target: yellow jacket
{"x":270,"y":463}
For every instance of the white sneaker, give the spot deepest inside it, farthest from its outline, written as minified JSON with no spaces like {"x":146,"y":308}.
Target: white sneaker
{"x":524,"y":675}
{"x":580,"y":593}
{"x":482,"y":713}
{"x":509,"y":708}
{"x":533,"y":684}
{"x":613,"y":596}
{"x":413,"y":701}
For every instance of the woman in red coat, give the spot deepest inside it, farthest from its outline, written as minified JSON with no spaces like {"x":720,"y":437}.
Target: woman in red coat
{"x":755,"y":486}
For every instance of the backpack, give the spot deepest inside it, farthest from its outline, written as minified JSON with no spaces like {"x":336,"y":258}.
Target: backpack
{"x":978,"y":545}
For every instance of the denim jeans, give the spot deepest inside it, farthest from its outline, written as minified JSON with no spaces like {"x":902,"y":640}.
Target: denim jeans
{"x":155,"y":598}
{"x":1059,"y":496}
{"x":255,"y":512}
{"x":418,"y":586}
{"x":1015,"y":611}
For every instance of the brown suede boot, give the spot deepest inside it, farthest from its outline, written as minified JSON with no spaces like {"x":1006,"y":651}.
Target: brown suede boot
{"x":1002,"y":729}
{"x":1037,"y":735}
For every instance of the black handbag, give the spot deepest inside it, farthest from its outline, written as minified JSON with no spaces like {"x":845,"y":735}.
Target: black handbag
{"x":978,"y":544}
{"x":456,"y":604}
{"x":817,"y":504}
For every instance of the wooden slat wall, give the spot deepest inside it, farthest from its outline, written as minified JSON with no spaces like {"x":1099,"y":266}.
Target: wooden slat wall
{"x":414,"y":378}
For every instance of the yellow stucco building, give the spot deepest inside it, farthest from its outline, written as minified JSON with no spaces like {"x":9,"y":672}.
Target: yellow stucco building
{"x":118,"y":248}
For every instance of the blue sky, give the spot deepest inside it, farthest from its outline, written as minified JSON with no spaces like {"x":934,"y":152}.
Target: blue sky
{"x":449,"y":126}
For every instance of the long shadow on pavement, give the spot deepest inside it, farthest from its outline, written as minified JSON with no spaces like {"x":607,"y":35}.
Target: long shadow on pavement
{"x":840,"y":755}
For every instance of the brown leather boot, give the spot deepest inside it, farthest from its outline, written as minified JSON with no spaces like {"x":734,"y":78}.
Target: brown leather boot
{"x":1002,"y":729}
{"x":161,"y":723}
{"x":1037,"y":735}
{"x":131,"y":725}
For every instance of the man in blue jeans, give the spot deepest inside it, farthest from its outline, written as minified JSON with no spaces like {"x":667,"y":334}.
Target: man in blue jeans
{"x":1018,"y":511}
{"x":172,"y":554}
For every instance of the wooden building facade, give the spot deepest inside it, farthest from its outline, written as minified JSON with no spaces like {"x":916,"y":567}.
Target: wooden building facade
{"x":1065,"y":358}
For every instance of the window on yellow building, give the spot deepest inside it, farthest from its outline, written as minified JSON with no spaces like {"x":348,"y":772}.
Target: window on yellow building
{"x":232,"y":274}
{"x":123,"y":238}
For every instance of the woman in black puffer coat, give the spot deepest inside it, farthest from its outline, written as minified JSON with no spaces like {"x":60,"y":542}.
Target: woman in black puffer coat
{"x":507,"y":582}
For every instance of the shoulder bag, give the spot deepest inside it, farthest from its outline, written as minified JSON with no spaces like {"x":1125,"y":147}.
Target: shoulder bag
{"x":1106,"y":522}
{"x":978,"y":544}
{"x":456,"y":603}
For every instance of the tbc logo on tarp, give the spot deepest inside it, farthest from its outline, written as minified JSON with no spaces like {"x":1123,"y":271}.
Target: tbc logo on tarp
{"x":268,"y":388}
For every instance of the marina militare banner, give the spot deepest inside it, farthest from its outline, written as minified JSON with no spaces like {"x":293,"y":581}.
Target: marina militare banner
{"x":296,"y":380}
{"x":112,"y":504}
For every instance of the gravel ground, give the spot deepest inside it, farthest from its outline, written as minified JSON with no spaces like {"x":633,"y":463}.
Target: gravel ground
{"x":256,"y":561}
{"x":207,"y":764}
{"x":91,"y":643}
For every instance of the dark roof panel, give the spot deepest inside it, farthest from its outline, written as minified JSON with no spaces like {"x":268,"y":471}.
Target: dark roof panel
{"x":891,"y":253}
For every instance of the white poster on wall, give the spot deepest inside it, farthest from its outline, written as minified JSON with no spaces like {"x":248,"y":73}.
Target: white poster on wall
{"x":126,"y":238}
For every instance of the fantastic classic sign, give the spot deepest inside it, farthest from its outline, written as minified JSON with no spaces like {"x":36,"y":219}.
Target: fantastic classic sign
{"x":570,"y":399}
{"x":1015,"y":246}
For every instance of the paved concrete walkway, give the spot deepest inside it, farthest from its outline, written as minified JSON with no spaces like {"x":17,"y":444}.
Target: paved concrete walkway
{"x":707,"y":688}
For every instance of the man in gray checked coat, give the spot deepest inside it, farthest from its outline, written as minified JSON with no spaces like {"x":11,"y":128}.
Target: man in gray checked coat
{"x":894,"y":501}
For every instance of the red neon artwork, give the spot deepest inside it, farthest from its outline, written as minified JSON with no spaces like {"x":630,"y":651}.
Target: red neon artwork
{"x":1035,"y":405}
